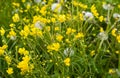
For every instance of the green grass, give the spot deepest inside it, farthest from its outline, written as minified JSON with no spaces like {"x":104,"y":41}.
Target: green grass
{"x":94,"y":55}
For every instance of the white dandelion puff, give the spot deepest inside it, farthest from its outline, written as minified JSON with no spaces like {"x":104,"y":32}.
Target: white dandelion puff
{"x":108,"y":6}
{"x":69,"y":52}
{"x":87,"y":15}
{"x":56,"y":7}
{"x":39,"y":25}
{"x":37,"y":1}
{"x":103,"y":35}
{"x":116,"y":15}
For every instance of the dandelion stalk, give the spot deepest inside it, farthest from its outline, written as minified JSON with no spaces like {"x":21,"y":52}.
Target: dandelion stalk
{"x":119,"y":62}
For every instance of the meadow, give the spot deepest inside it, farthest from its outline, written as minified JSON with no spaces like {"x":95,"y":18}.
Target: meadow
{"x":59,"y":39}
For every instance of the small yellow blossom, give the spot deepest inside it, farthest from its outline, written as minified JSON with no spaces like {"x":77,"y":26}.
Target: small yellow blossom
{"x":2,"y":49}
{"x":1,"y":52}
{"x":67,"y":41}
{"x":8,"y":59}
{"x":25,"y":32}
{"x":53,"y":47}
{"x":59,"y":38}
{"x":23,"y":1}
{"x":111,"y":71}
{"x":26,"y":58}
{"x":118,"y":38}
{"x":43,"y":10}
{"x":12,"y":25}
{"x":92,"y":53}
{"x":79,"y":35}
{"x":53,"y":20}
{"x":69,"y":30}
{"x":81,"y":16}
{"x":101,"y":18}
{"x":4,"y":46}
{"x":16,"y":4}
{"x":11,"y":34}
{"x":16,"y":18}
{"x":62,"y":18}
{"x":36,"y":32}
{"x":114,"y":32}
{"x":23,"y":51}
{"x":119,"y":6}
{"x":67,"y":61}
{"x":24,"y":64}
{"x":57,"y":28}
{"x":28,"y":6}
{"x":75,"y":3}
{"x":83,"y":5}
{"x":101,"y":29}
{"x":94,"y":11}
{"x":117,"y":52}
{"x":9,"y":70}
{"x":2,"y":31}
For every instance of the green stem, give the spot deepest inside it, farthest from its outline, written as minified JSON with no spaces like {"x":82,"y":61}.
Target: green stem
{"x":119,"y":62}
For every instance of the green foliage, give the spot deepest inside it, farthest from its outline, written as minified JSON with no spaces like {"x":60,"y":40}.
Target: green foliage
{"x":75,"y":39}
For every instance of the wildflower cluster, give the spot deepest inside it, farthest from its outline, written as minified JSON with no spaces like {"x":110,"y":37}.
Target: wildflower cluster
{"x":60,"y":39}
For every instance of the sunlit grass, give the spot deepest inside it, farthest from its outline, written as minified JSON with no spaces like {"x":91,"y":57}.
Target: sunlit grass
{"x":50,"y":39}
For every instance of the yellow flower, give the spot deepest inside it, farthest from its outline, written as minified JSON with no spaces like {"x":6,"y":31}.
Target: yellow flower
{"x":12,"y":34}
{"x":26,"y":58}
{"x":4,"y":46}
{"x":36,"y":32}
{"x":9,"y":70}
{"x":92,"y":53}
{"x":101,"y":29}
{"x":114,"y":32}
{"x":57,"y":28}
{"x":67,"y":61}
{"x":2,"y":49}
{"x":101,"y":18}
{"x":53,"y":20}
{"x":16,"y":4}
{"x":2,"y":31}
{"x":94,"y":11}
{"x":16,"y":18}
{"x":117,"y":52}
{"x":111,"y":71}
{"x":81,"y":16}
{"x":24,"y":64}
{"x":83,"y":5}
{"x":8,"y":59}
{"x":119,"y":6}
{"x":59,"y":38}
{"x":79,"y":35}
{"x":1,"y":52}
{"x":12,"y":25}
{"x":23,"y":1}
{"x":62,"y":18}
{"x":25,"y":32}
{"x":75,"y":3}
{"x":118,"y":38}
{"x":53,"y":47}
{"x":28,"y":6}
{"x":23,"y":51}
{"x":67,"y":41}
{"x":43,"y":10}
{"x":69,"y":30}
